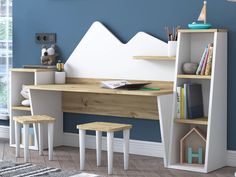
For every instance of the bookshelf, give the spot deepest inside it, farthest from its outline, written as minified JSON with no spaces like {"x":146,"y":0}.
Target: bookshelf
{"x":19,"y":77}
{"x":191,"y":44}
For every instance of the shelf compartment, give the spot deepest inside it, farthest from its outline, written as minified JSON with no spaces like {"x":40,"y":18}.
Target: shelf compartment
{"x":21,"y":108}
{"x":188,"y":76}
{"x":157,"y":58}
{"x":197,"y":121}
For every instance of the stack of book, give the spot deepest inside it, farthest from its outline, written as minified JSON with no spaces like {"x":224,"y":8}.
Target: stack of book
{"x":205,"y":64}
{"x":189,"y":101}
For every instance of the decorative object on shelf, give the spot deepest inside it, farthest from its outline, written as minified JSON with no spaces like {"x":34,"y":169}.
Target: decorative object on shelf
{"x":192,"y":147}
{"x":172,"y":37}
{"x":202,"y":17}
{"x":197,"y":155}
{"x":189,"y":68}
{"x":48,"y":55}
{"x":25,"y":93}
{"x":60,"y":74}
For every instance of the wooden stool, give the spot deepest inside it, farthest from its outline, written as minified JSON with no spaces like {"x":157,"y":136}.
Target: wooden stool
{"x":37,"y":119}
{"x":110,"y":128}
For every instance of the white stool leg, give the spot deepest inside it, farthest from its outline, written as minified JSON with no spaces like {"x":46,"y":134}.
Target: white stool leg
{"x":50,"y":140}
{"x":17,"y":138}
{"x":26,"y":142}
{"x":36,"y":140}
{"x":126,"y":134}
{"x":40,"y":138}
{"x":82,"y":148}
{"x":98,"y":147}
{"x":110,"y":136}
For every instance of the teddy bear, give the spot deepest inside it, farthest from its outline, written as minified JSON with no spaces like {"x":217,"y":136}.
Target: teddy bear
{"x":48,"y":55}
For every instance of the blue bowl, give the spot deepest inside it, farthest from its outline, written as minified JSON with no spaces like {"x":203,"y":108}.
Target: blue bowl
{"x":199,"y":26}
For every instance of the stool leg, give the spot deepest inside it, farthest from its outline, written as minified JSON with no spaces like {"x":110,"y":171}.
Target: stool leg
{"x":126,"y":134}
{"x":110,"y":136}
{"x":82,"y":148}
{"x":26,"y":142}
{"x":98,"y":147}
{"x":17,"y":138}
{"x":40,"y":131}
{"x":50,"y":140}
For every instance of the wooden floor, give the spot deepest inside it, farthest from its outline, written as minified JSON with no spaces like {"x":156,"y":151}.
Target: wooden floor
{"x":67,"y":158}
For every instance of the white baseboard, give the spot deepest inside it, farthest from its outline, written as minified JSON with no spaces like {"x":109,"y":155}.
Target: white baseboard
{"x":231,"y":158}
{"x":4,"y":131}
{"x":136,"y":147}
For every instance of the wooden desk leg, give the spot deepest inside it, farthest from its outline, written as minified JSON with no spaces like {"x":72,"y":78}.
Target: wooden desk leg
{"x":82,"y":148}
{"x":110,"y":136}
{"x":26,"y":142}
{"x":17,"y":138}
{"x":98,"y":147}
{"x":126,"y":134}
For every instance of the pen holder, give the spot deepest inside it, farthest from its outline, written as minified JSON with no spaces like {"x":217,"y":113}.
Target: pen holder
{"x":60,"y":77}
{"x":172,"y":47}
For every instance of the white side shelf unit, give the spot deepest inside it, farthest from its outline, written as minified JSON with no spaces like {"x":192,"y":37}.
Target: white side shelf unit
{"x":191,"y":45}
{"x":19,"y":77}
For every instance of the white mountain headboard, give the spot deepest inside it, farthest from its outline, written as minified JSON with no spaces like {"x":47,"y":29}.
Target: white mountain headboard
{"x":101,"y":55}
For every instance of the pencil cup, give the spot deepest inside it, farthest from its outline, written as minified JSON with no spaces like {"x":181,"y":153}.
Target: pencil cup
{"x":60,"y":77}
{"x":172,"y":47}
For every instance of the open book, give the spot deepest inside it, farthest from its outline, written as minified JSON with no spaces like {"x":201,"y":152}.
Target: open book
{"x":123,"y":84}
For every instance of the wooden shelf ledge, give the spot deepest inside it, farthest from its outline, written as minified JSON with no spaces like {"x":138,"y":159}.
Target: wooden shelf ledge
{"x":197,"y":121}
{"x":31,"y":70}
{"x":21,"y":108}
{"x":188,"y":76}
{"x":201,"y":30}
{"x":158,"y":58}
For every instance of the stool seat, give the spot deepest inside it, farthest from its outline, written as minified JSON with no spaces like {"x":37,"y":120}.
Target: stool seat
{"x":33,"y":119}
{"x":104,"y":126}
{"x":110,"y":128}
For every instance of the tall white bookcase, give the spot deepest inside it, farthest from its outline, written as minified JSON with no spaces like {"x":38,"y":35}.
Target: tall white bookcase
{"x":191,"y":44}
{"x":19,"y":77}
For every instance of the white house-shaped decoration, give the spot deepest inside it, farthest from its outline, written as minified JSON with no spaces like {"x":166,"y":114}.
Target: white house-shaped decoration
{"x":195,"y":138}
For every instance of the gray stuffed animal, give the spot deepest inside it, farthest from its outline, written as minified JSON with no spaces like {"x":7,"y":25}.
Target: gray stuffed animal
{"x":49,"y":55}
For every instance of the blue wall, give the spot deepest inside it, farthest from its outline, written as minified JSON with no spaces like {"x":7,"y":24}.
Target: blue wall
{"x":70,"y":19}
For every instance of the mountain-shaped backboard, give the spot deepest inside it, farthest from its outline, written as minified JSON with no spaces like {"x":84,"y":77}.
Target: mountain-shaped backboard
{"x":101,"y":55}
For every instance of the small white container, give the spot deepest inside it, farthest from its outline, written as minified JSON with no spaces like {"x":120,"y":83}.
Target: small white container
{"x":172,"y":47}
{"x":60,"y":77}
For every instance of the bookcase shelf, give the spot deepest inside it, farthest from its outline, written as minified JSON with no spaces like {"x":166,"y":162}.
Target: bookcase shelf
{"x":210,"y":131}
{"x":196,"y":121}
{"x":187,"y":76}
{"x":157,"y":58}
{"x":20,"y":108}
{"x":19,"y":77}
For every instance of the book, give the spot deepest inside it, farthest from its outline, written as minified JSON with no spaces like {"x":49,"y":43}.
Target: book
{"x":201,"y":61}
{"x":185,"y":102}
{"x":209,"y":61}
{"x":205,"y":61}
{"x":182,"y":104}
{"x":194,"y":101}
{"x":123,"y":84}
{"x":178,"y":97}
